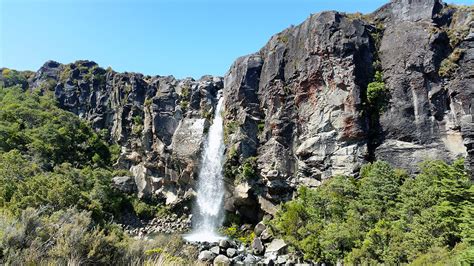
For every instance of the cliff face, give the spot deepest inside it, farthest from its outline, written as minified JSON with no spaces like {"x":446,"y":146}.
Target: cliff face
{"x":298,"y":111}
{"x":301,"y":107}
{"x":158,"y":122}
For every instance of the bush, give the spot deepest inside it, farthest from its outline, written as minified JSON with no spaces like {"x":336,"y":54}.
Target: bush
{"x":10,"y":77}
{"x":56,"y":200}
{"x":35,"y":126}
{"x":377,"y":94}
{"x":233,"y":232}
{"x":385,"y":217}
{"x":248,"y":170}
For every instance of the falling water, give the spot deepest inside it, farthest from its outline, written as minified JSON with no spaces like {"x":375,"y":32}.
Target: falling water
{"x":210,"y":190}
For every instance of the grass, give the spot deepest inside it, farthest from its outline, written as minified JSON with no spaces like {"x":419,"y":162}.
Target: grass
{"x":449,"y":65}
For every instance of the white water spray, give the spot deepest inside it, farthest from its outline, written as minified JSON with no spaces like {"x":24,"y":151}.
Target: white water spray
{"x":210,"y":191}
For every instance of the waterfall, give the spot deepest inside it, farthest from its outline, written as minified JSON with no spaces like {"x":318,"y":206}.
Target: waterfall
{"x":208,"y":216}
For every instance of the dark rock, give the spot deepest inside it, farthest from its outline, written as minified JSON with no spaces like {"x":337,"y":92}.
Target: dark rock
{"x":224,"y":243}
{"x":125,"y":184}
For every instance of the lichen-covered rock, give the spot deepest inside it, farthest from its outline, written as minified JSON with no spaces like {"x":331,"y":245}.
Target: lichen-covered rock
{"x":257,"y":246}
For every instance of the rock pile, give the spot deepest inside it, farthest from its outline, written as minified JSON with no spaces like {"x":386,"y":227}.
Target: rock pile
{"x":264,"y":250}
{"x":168,"y":225}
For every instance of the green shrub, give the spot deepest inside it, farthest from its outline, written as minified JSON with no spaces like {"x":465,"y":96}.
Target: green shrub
{"x":10,"y":77}
{"x":385,"y":217}
{"x":184,"y":104}
{"x":185,"y":92}
{"x":261,"y":127}
{"x":233,"y":232}
{"x":142,"y":209}
{"x":377,"y":94}
{"x":230,"y":128}
{"x":248,"y":170}
{"x":449,"y":65}
{"x":34,"y":125}
{"x":148,"y":101}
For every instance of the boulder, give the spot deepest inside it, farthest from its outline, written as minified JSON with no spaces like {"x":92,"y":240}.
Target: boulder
{"x":206,"y":256}
{"x":282,"y":259}
{"x":125,"y":184}
{"x":257,"y":246}
{"x":259,"y":228}
{"x":221,"y":260}
{"x":266,"y":235}
{"x":231,"y":252}
{"x":277,"y":246}
{"x":224,"y":243}
{"x":216,"y":250}
{"x":250,"y":259}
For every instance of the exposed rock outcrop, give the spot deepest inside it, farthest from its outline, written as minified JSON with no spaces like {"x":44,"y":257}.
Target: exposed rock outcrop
{"x":300,"y":105}
{"x":158,"y":122}
{"x":296,"y":112}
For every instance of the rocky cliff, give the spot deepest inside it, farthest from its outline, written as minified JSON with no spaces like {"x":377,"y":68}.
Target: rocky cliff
{"x":158,"y":123}
{"x":301,"y":108}
{"x":319,"y":99}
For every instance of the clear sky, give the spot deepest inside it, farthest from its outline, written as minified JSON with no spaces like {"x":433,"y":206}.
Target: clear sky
{"x":178,"y":37}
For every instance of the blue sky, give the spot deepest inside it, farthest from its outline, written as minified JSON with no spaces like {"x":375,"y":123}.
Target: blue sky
{"x":180,"y":37}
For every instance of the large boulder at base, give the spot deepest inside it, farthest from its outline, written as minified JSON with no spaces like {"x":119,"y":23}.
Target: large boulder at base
{"x":276,"y":246}
{"x":206,"y":256}
{"x":221,"y":260}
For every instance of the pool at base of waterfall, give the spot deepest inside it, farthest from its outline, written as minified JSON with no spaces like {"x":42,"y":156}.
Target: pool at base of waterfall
{"x":210,"y":237}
